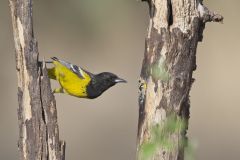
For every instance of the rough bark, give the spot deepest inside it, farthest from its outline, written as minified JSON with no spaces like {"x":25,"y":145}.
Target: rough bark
{"x":37,"y":114}
{"x":175,"y":28}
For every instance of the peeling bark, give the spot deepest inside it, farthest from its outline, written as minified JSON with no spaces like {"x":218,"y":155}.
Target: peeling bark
{"x":37,"y":114}
{"x":175,"y":28}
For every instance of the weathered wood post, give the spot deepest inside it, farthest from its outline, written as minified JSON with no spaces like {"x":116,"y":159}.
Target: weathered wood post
{"x":37,"y":113}
{"x":175,"y":28}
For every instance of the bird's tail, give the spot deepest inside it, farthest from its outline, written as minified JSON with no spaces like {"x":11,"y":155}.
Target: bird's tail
{"x":51,"y":73}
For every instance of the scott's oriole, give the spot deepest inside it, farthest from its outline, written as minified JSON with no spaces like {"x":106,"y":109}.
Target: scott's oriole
{"x":78,"y":82}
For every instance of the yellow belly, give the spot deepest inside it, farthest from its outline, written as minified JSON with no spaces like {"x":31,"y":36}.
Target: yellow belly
{"x":73,"y":86}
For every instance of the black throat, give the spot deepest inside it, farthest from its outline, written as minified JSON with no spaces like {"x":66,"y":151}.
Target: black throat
{"x":98,"y":85}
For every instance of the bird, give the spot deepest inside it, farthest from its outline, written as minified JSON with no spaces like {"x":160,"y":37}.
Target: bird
{"x":78,"y":82}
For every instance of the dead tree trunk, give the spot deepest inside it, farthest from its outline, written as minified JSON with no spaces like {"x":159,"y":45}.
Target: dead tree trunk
{"x":37,"y":114}
{"x":175,"y":28}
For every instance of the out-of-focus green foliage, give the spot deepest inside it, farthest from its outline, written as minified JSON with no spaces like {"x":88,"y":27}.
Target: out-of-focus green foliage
{"x":190,"y":150}
{"x":159,"y":71}
{"x":161,"y":137}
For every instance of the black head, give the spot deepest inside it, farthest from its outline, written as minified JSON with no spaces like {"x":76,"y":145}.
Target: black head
{"x":101,"y":82}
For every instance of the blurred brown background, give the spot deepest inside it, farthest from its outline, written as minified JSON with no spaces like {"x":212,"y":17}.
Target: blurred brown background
{"x":108,"y":35}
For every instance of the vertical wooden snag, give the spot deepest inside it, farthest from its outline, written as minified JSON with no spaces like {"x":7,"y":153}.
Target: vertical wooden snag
{"x":175,"y":28}
{"x":37,"y":114}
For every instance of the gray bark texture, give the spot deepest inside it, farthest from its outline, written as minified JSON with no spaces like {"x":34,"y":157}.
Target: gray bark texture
{"x":175,"y":28}
{"x":37,"y":113}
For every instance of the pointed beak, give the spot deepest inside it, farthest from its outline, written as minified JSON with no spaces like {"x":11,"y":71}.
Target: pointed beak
{"x":120,"y":80}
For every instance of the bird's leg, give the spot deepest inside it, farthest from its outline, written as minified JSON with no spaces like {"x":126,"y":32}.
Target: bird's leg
{"x":58,"y":90}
